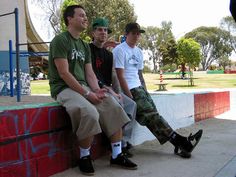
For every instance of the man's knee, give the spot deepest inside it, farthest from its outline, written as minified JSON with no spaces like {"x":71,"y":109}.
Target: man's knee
{"x":90,"y":112}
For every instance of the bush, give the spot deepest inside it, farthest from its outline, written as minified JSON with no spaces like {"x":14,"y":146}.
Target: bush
{"x":146,"y":69}
{"x":212,"y":67}
{"x":169,"y":68}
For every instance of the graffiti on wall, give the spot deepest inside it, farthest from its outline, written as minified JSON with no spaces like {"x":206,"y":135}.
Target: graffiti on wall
{"x":5,"y":83}
{"x":32,"y":139}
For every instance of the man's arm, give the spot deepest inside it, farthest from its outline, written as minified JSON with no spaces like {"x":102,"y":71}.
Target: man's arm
{"x":91,"y":77}
{"x":123,"y":83}
{"x":63,"y":70}
{"x":93,"y":82}
{"x":115,"y":82}
{"x":140,"y":73}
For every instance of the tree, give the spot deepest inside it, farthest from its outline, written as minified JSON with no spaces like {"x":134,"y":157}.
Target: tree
{"x":224,"y":61}
{"x":156,"y":41}
{"x":168,"y":52}
{"x":215,"y":42}
{"x":228,"y":24}
{"x":149,"y":42}
{"x":52,"y":12}
{"x":188,"y":53}
{"x":118,"y":12}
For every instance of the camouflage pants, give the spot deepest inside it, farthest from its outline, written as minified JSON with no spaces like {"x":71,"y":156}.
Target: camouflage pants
{"x":147,"y":115}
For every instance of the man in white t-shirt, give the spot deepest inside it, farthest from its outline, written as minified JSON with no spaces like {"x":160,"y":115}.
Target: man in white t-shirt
{"x":128,"y":63}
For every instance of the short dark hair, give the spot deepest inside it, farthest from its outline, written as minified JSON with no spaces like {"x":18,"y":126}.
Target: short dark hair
{"x":69,"y":12}
{"x":133,"y":27}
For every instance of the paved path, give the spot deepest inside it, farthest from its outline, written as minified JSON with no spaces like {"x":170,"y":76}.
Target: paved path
{"x":215,"y":156}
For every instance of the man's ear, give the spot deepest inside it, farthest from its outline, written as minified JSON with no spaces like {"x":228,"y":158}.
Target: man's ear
{"x":92,"y":33}
{"x":69,"y":18}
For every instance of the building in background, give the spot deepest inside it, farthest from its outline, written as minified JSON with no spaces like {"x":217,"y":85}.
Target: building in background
{"x":27,"y":34}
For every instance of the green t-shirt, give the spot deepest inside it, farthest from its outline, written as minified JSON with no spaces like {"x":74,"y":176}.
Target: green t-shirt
{"x":77,"y":53}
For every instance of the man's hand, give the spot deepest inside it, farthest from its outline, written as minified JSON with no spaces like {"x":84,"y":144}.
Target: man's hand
{"x":94,"y":98}
{"x":97,"y":96}
{"x":110,"y":44}
{"x":101,"y":93}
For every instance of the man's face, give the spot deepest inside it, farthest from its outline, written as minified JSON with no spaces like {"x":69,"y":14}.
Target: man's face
{"x":79,"y":20}
{"x":132,"y":37}
{"x":100,"y":34}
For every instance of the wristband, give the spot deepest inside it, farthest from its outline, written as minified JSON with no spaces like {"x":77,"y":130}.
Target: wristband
{"x":87,"y":94}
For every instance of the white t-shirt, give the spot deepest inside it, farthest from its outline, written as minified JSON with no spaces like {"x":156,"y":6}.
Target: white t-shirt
{"x":131,"y":60}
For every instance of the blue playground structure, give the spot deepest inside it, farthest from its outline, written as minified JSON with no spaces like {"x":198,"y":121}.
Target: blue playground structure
{"x":21,"y":54}
{"x":16,"y":13}
{"x":18,"y":54}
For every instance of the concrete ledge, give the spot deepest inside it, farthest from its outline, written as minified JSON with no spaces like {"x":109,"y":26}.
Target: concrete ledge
{"x":39,"y":142}
{"x":36,"y":140}
{"x":211,"y":104}
{"x":183,"y":109}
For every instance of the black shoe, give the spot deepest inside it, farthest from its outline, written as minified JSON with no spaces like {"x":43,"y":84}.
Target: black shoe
{"x":182,"y":154}
{"x":86,"y":166}
{"x":122,"y":161}
{"x":129,"y":145}
{"x":187,"y":147}
{"x":126,"y":152}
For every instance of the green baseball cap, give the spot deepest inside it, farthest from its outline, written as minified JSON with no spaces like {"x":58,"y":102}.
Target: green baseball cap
{"x":101,"y":22}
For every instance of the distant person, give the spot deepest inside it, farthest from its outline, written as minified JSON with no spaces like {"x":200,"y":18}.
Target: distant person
{"x":74,"y":85}
{"x":128,"y":61}
{"x":232,"y":8}
{"x":102,"y":62}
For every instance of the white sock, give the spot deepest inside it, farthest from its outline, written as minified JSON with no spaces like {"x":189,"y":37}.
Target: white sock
{"x":116,"y":149}
{"x":84,"y":152}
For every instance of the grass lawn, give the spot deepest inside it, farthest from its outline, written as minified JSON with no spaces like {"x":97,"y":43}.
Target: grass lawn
{"x":173,"y":82}
{"x":200,"y":81}
{"x":40,"y":87}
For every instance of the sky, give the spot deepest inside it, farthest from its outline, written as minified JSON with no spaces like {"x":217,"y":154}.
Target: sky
{"x":185,"y":15}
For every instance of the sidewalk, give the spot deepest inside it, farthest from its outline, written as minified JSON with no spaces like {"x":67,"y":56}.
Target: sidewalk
{"x":215,"y":155}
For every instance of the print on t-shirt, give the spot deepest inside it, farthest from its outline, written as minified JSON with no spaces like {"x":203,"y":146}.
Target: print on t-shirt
{"x":133,"y":60}
{"x":99,"y":62}
{"x":77,"y":55}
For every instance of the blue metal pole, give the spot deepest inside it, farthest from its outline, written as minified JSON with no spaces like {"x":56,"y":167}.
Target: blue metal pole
{"x":17,"y":55}
{"x":11,"y":69}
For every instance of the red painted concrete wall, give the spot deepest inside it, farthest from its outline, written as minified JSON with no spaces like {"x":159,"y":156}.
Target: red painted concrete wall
{"x":38,"y":142}
{"x":209,"y":105}
{"x":230,"y":72}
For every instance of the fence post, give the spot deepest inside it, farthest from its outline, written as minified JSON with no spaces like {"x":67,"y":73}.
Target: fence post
{"x":161,"y":77}
{"x":11,"y":69}
{"x":17,"y":55}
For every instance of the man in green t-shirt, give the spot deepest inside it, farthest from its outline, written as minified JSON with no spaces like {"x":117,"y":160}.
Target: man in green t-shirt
{"x":74,"y":85}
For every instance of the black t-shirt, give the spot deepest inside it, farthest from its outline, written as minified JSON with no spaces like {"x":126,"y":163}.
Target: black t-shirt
{"x":102,"y":62}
